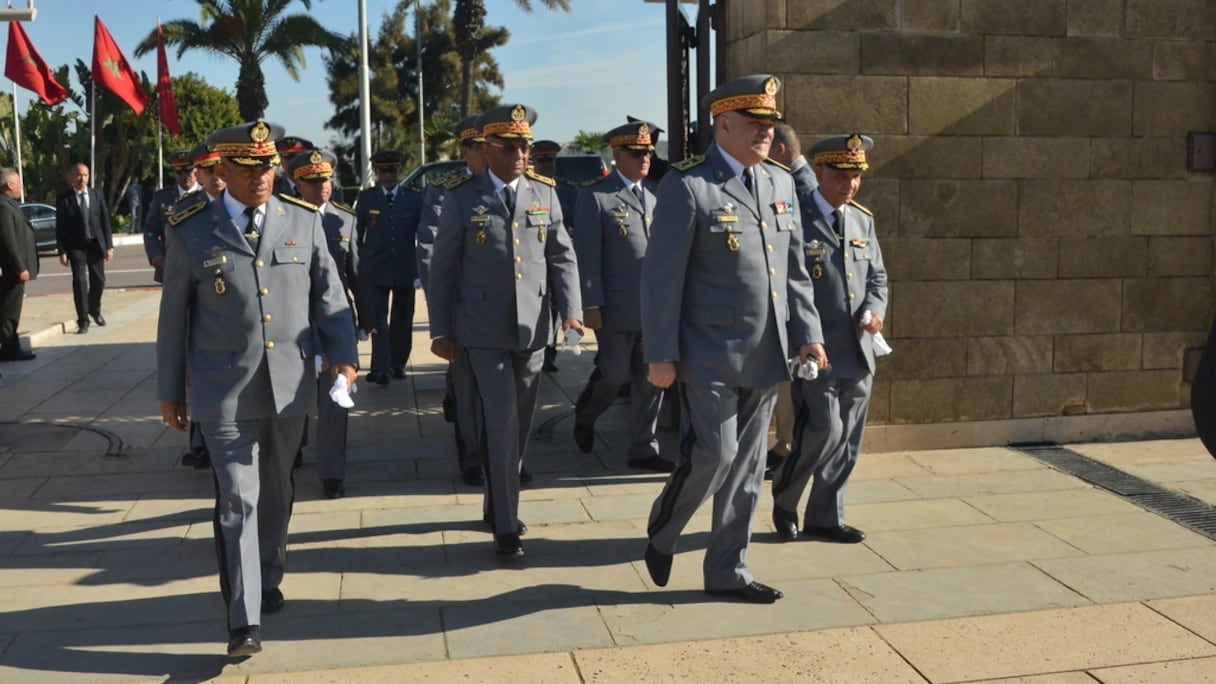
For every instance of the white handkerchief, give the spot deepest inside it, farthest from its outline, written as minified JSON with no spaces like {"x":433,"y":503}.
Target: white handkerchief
{"x":340,"y":392}
{"x":881,"y":348}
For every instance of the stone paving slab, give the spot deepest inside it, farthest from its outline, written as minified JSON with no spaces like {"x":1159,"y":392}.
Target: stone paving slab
{"x":1137,"y":575}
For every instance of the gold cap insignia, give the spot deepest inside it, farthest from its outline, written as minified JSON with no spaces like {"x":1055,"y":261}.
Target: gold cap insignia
{"x":770,"y":86}
{"x":853,"y":143}
{"x":315,"y":157}
{"x":518,"y":113}
{"x":643,"y":129}
{"x":259,"y":132}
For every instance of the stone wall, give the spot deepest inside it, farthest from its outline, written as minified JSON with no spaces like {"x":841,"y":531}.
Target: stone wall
{"x":1050,"y":254}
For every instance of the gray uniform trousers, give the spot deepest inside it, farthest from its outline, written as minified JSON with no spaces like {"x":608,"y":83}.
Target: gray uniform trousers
{"x":620,"y":361}
{"x":723,"y":435}
{"x":506,"y":384}
{"x":253,"y":507}
{"x":463,"y":388}
{"x":332,"y":422}
{"x":830,"y":419}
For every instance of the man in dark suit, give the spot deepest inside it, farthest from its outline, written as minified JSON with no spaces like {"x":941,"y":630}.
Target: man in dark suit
{"x":82,"y":235}
{"x":18,"y":264}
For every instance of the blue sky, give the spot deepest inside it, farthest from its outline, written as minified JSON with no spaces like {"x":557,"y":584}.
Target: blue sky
{"x":582,"y":70}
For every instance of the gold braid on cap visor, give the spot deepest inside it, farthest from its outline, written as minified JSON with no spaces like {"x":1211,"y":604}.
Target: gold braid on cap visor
{"x":626,"y":140}
{"x":507,"y":129}
{"x":758,"y":101}
{"x":842,"y":160}
{"x":313,"y":172}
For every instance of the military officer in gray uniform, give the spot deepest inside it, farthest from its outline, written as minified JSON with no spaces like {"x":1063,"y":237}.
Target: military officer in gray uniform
{"x":288,"y":147}
{"x":850,"y":282}
{"x":460,"y":400}
{"x":614,"y":219}
{"x":312,"y":173}
{"x":500,"y":254}
{"x":251,"y":297}
{"x":727,"y":303}
{"x":160,"y":206}
{"x":543,"y":157}
{"x":386,"y":223}
{"x":204,"y":161}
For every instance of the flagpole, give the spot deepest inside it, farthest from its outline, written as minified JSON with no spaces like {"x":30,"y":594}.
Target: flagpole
{"x":92,"y":133}
{"x":17,"y":140}
{"x":160,"y":151}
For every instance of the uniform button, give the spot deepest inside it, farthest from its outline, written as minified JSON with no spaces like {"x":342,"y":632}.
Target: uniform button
{"x":519,"y":276}
{"x":774,"y":294}
{"x":264,"y":291}
{"x":763,"y":225}
{"x":266,"y":318}
{"x":850,"y":276}
{"x":260,"y":263}
{"x":517,"y":241}
{"x":851,"y":296}
{"x":518,"y":259}
{"x":769,"y":248}
{"x":269,"y":344}
{"x":772,"y":271}
{"x":296,"y":259}
{"x":515,"y":224}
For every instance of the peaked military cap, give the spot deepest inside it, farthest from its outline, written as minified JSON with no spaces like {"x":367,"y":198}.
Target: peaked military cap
{"x":845,"y":152}
{"x":180,"y":160}
{"x":467,"y":130}
{"x":546,"y":148}
{"x":291,"y":145}
{"x":247,"y":144}
{"x":508,"y":121}
{"x":203,"y":157}
{"x":388,"y":159}
{"x":754,"y":96}
{"x":312,"y":165}
{"x":631,"y":136}
{"x":655,"y":131}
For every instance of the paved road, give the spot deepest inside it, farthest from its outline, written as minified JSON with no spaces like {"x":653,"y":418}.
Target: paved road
{"x":128,"y":269}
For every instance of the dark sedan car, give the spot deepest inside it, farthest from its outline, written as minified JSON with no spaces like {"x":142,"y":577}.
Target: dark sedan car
{"x":42,"y":216}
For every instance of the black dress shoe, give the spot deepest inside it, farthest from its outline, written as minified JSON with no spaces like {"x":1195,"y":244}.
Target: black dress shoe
{"x":844,"y":534}
{"x":584,"y":437}
{"x":508,"y":545}
{"x":786,"y":524}
{"x":399,"y":373}
{"x":334,"y":489}
{"x":377,"y":378}
{"x":244,"y":641}
{"x":522,"y":528}
{"x":549,"y":366}
{"x":197,"y":459}
{"x":752,"y":593}
{"x":653,"y":462}
{"x":82,"y":327}
{"x":658,"y":564}
{"x":272,"y":601}
{"x":18,"y":355}
{"x":472,"y":476}
{"x":524,"y":476}
{"x":99,"y":319}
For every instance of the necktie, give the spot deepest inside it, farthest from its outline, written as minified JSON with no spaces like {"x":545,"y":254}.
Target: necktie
{"x":508,"y":198}
{"x":838,"y":224}
{"x":747,"y":183}
{"x":388,"y":197}
{"x":83,"y":198}
{"x":637,"y":192}
{"x":251,"y":227}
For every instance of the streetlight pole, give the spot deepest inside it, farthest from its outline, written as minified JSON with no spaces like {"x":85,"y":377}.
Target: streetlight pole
{"x":365,"y":105}
{"x":418,"y":44}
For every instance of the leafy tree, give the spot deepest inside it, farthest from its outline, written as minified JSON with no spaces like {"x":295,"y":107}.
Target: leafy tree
{"x":249,"y":31}
{"x":474,"y":38}
{"x":393,"y":62}
{"x":589,"y":142}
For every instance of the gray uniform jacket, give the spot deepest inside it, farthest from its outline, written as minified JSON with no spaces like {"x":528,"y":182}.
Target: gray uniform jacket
{"x":613,"y":230}
{"x":728,"y":297}
{"x":154,"y":223}
{"x":432,"y":204}
{"x":387,"y":253}
{"x":338,"y":221}
{"x":480,"y":251}
{"x":848,"y":279}
{"x":225,"y":311}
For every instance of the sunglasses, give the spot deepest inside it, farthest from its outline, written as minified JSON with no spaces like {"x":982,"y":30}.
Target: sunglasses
{"x":638,"y":154}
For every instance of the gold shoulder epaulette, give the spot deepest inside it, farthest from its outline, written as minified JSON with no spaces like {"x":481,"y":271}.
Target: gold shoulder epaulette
{"x":184,"y":210}
{"x":867,"y":211}
{"x":778,"y":164}
{"x":342,"y":207}
{"x":541,"y":179}
{"x":457,"y":181}
{"x":187,"y":198}
{"x":298,"y":202}
{"x":688,"y":163}
{"x":592,"y":181}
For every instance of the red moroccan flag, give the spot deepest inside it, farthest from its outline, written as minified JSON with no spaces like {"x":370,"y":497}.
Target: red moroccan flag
{"x":164,"y":87}
{"x":111,"y":70}
{"x":25,"y":67}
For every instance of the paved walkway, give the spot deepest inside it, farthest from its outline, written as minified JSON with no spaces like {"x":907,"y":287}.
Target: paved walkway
{"x":981,"y":565}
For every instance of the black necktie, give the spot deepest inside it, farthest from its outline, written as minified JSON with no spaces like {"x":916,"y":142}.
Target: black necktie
{"x":388,"y":197}
{"x":82,"y":197}
{"x":838,"y":224}
{"x":251,"y":227}
{"x":637,"y":192}
{"x":508,"y":198}
{"x":747,"y":183}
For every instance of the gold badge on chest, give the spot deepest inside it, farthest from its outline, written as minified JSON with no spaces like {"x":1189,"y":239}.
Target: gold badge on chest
{"x":732,"y":242}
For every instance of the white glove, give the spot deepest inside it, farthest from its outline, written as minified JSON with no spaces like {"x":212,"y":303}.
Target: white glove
{"x":881,"y":348}
{"x":341,"y":393}
{"x":573,"y":337}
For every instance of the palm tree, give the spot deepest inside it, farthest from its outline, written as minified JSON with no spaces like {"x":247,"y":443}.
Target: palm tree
{"x":249,"y":31}
{"x":473,"y":38}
